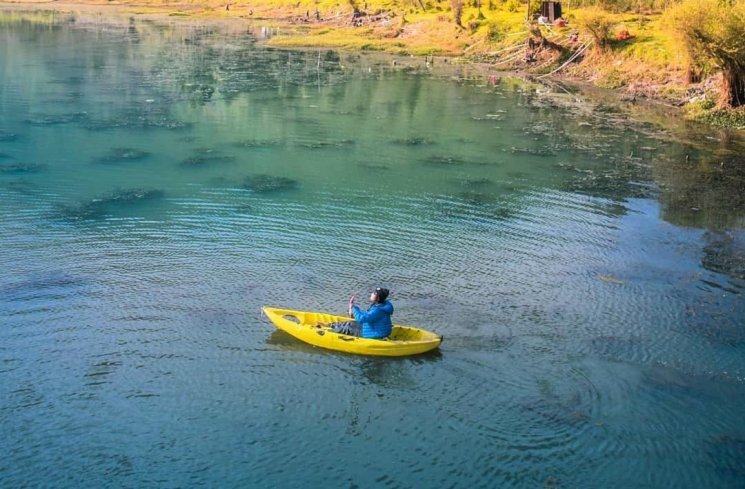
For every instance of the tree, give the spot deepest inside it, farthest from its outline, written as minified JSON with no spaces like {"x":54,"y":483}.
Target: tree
{"x":457,"y":6}
{"x":597,"y":23}
{"x":713,"y":33}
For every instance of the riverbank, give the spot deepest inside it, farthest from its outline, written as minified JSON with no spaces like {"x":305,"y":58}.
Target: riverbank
{"x":643,"y":64}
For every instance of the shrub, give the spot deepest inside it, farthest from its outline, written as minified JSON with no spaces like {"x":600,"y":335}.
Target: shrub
{"x":494,"y":33}
{"x":612,"y":79}
{"x":513,"y":5}
{"x":597,"y":23}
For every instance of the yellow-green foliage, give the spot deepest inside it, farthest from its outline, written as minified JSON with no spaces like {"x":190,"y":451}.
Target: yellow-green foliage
{"x":721,"y":118}
{"x":596,"y":23}
{"x":501,"y":24}
{"x":513,"y":6}
{"x":711,"y":30}
{"x":651,"y":43}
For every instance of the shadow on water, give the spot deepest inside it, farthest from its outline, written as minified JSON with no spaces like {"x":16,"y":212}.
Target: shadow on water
{"x":394,"y":372}
{"x":287,"y":342}
{"x":378,"y":370}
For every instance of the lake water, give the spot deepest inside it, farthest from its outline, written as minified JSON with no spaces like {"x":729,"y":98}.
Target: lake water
{"x":160,"y":183}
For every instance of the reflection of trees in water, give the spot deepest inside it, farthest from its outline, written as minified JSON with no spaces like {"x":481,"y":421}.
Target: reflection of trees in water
{"x":180,"y":61}
{"x":604,"y":152}
{"x":597,"y":148}
{"x":724,"y":253}
{"x":703,"y":191}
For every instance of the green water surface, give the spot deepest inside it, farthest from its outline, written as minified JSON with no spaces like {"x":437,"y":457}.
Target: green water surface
{"x":584,"y":260}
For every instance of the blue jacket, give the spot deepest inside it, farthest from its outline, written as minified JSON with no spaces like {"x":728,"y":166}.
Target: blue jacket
{"x":376,"y":321}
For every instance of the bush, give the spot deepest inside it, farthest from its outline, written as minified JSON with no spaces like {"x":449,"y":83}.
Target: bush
{"x":625,"y":5}
{"x":597,"y":23}
{"x":611,"y":79}
{"x":513,"y":6}
{"x":494,"y":33}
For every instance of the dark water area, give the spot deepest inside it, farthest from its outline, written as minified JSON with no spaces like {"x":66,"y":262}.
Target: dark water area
{"x":583,"y":258}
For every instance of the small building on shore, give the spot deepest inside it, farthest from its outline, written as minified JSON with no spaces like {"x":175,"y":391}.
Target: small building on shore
{"x":551,"y":10}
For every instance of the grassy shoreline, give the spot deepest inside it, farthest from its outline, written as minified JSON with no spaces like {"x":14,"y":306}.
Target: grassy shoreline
{"x":648,"y":65}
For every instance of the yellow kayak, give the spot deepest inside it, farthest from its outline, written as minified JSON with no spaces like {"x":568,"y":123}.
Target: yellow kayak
{"x":312,"y":327}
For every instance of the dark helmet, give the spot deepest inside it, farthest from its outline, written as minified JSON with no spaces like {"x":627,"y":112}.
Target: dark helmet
{"x":382,"y":294}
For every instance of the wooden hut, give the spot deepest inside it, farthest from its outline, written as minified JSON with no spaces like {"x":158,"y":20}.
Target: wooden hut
{"x":551,"y":10}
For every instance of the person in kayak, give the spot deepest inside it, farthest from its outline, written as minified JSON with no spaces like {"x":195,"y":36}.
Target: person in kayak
{"x":375,"y":322}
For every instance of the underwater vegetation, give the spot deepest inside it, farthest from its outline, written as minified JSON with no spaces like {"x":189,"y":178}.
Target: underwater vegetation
{"x":54,"y":119}
{"x":540,"y":152}
{"x":725,"y":254}
{"x":608,"y":184}
{"x":557,"y":412}
{"x":413,"y":141}
{"x":258,"y":143}
{"x":44,"y":286}
{"x":22,"y":186}
{"x":450,"y":160}
{"x":444,"y":160}
{"x":489,"y":117}
{"x":340,"y":143}
{"x":21,"y":168}
{"x":476,"y":198}
{"x":375,"y":166}
{"x":135,"y":119}
{"x":615,"y":347}
{"x":6,"y":136}
{"x":475,"y":182}
{"x":474,"y":207}
{"x":206,"y":156}
{"x":116,"y":155}
{"x":98,"y":207}
{"x":726,"y":452}
{"x":268,"y":183}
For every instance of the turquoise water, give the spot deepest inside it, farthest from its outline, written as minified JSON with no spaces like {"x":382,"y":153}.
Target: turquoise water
{"x":158,"y":184}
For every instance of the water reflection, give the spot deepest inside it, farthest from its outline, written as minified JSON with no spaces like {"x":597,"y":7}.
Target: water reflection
{"x":704,"y":191}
